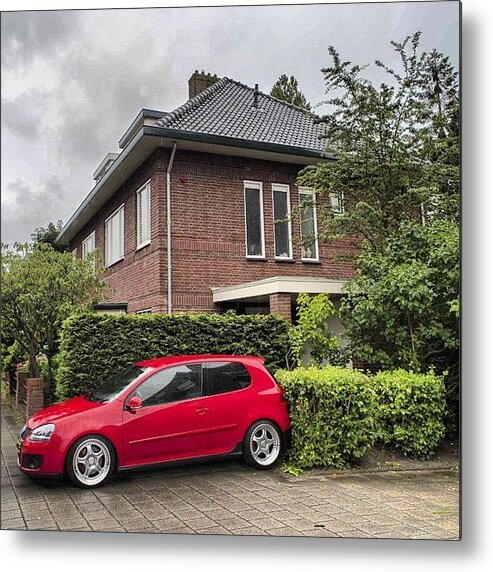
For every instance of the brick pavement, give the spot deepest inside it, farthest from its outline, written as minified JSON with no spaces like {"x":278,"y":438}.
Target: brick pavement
{"x":230,"y":498}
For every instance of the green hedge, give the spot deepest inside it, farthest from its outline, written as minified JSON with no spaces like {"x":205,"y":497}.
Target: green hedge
{"x":95,"y":345}
{"x":332,"y":412}
{"x":411,"y":409}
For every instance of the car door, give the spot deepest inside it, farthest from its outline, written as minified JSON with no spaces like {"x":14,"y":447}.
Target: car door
{"x":226,"y":384}
{"x":173,"y":422}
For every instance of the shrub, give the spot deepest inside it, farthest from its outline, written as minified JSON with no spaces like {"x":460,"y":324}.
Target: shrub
{"x":411,"y":408}
{"x":332,"y":412}
{"x":93,"y":346}
{"x":312,"y":335}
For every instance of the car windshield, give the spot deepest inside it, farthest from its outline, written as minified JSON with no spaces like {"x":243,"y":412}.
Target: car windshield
{"x":112,"y":387}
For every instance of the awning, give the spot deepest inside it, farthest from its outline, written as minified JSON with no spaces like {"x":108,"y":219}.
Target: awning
{"x":277,"y":285}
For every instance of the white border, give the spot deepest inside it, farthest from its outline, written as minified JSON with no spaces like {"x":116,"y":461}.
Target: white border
{"x":283,"y":188}
{"x":122,"y":235}
{"x":138,"y":195}
{"x":309,"y":191}
{"x":254,"y":185}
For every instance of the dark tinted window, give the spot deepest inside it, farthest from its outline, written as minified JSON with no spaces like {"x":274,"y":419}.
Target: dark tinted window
{"x":172,"y":384}
{"x":221,"y":377}
{"x":113,"y":386}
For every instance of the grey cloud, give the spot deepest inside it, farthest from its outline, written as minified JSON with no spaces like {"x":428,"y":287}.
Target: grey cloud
{"x":28,"y":208}
{"x":23,"y":115}
{"x":26,"y":35}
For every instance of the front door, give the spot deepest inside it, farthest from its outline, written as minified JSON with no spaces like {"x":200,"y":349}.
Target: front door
{"x":174,"y":420}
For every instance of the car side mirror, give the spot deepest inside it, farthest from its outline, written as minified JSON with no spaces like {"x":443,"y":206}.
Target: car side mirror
{"x":134,"y":403}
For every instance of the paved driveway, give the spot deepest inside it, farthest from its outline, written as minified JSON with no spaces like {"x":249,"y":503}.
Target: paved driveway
{"x":230,"y":498}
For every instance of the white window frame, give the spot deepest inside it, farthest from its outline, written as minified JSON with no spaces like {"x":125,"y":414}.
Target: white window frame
{"x":340,"y":198}
{"x":283,"y":188}
{"x":90,"y":238}
{"x":309,"y":191}
{"x":254,"y":185}
{"x":145,"y":311}
{"x":107,"y":250}
{"x":145,"y":187}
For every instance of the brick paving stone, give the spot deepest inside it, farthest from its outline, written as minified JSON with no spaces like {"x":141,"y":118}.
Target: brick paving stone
{"x":230,"y":498}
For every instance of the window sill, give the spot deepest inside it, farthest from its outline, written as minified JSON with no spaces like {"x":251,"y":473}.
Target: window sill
{"x":115,"y":262}
{"x":143,"y":245}
{"x":256,"y":258}
{"x":284,"y":259}
{"x":310,"y":261}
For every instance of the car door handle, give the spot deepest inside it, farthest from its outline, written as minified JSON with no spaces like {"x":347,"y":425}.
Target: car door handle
{"x":201,"y":411}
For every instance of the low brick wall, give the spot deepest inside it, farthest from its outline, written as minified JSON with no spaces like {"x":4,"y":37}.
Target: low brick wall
{"x":34,"y":395}
{"x":29,"y":394}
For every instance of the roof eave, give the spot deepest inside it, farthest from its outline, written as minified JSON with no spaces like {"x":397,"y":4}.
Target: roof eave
{"x":225,"y":141}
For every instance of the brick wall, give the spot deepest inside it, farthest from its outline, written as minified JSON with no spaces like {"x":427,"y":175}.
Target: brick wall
{"x":208,"y":226}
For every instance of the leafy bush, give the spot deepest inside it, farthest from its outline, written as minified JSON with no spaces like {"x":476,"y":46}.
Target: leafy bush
{"x":411,"y":408}
{"x":312,"y":334}
{"x":332,"y":413}
{"x":93,"y":346}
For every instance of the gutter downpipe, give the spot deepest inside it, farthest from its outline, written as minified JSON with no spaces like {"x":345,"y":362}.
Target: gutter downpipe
{"x":168,"y":223}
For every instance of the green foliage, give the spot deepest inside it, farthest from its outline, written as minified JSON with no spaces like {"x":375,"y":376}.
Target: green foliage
{"x":410,"y":411}
{"x":11,"y":356}
{"x":401,"y":309}
{"x":286,"y":89}
{"x":49,"y":235}
{"x":312,"y":333}
{"x":396,"y":145}
{"x":93,"y":346}
{"x":40,"y":288}
{"x":332,"y":412}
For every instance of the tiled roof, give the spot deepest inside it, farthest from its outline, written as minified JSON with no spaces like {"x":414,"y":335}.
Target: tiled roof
{"x":226,"y":108}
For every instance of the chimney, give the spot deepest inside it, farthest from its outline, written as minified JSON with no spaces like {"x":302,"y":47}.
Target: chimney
{"x":200,"y":81}
{"x":255,"y":96}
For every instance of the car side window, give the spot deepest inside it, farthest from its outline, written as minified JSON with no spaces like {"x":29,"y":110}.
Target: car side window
{"x":172,"y":384}
{"x":223,"y":377}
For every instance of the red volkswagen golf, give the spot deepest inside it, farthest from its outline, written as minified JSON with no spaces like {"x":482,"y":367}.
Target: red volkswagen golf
{"x":159,"y":410}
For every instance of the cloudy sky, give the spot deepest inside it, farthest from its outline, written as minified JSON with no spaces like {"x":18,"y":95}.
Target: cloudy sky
{"x":72,"y":81}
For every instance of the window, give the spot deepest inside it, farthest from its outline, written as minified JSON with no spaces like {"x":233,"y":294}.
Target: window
{"x":146,"y":311}
{"x":144,"y":215}
{"x":254,"y":220}
{"x":88,"y":244}
{"x":113,"y":229}
{"x":337,"y":203}
{"x":172,"y":384}
{"x":309,"y":241}
{"x":222,"y":377}
{"x":282,"y":223}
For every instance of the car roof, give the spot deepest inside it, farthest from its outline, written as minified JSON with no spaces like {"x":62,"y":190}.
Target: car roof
{"x":177,"y":360}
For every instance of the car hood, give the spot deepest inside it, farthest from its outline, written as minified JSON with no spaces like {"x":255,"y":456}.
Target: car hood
{"x":61,"y":410}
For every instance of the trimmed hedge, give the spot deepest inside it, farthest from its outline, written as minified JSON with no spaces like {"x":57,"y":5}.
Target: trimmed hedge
{"x":93,"y":346}
{"x":411,"y":409}
{"x":332,"y":412}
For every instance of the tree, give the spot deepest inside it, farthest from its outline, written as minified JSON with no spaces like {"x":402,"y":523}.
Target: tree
{"x":397,"y":175}
{"x":48,"y":235}
{"x":286,"y":89}
{"x":40,"y":288}
{"x":401,"y":308}
{"x":396,"y":146}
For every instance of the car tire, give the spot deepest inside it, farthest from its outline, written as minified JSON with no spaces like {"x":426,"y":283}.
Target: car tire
{"x":262,"y":445}
{"x":90,"y":461}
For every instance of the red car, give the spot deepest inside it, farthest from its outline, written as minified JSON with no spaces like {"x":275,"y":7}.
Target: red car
{"x":159,"y":410}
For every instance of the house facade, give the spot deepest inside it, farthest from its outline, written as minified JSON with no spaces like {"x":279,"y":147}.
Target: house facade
{"x":193,"y":214}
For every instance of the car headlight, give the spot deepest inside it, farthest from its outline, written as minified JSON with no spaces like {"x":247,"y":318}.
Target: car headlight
{"x":42,"y":433}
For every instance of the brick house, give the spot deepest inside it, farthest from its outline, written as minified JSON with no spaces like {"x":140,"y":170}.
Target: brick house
{"x":185,"y":213}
